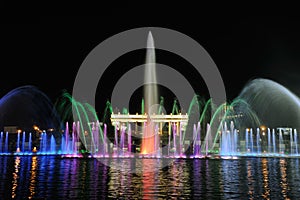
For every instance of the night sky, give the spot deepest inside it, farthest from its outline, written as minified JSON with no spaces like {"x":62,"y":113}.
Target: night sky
{"x":47,"y":51}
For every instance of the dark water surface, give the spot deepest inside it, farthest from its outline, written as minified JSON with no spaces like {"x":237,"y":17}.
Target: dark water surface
{"x":50,"y":177}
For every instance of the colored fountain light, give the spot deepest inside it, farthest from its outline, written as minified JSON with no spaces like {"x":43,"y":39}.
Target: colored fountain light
{"x":230,"y":130}
{"x":151,"y":118}
{"x":262,"y":142}
{"x":149,"y":140}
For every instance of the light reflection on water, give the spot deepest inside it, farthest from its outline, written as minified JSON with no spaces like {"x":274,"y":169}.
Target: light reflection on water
{"x":33,"y":177}
{"x":15,"y":177}
{"x":283,"y":182}
{"x":49,"y":177}
{"x":265,"y":173}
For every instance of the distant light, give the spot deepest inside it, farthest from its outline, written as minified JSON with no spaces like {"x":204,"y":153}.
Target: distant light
{"x":263,"y":128}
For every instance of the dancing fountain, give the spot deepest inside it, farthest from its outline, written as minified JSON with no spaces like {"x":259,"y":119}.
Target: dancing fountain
{"x":260,"y":143}
{"x":244,"y":127}
{"x":276,"y":106}
{"x":152,"y":121}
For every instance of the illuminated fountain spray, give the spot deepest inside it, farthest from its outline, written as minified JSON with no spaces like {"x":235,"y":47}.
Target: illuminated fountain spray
{"x":151,"y":100}
{"x":30,"y":143}
{"x":18,"y":142}
{"x":1,"y":141}
{"x":226,"y":139}
{"x":229,"y":140}
{"x":295,"y":141}
{"x":129,"y":138}
{"x":197,"y":140}
{"x":64,"y":140}
{"x":23,"y":141}
{"x":274,"y":141}
{"x":4,"y":143}
{"x":281,"y":144}
{"x":105,"y":145}
{"x":258,"y":143}
{"x":75,"y":134}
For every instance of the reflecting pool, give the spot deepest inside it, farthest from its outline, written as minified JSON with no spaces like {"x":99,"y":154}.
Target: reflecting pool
{"x":52,"y":177}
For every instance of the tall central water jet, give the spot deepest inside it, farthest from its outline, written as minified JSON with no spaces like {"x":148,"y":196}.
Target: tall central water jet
{"x":151,"y":99}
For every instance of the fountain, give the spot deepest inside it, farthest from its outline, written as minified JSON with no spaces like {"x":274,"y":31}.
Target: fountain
{"x":233,"y":146}
{"x":151,"y":99}
{"x":152,"y":118}
{"x":244,"y":127}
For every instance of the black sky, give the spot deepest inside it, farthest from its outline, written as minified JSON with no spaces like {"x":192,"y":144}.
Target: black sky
{"x":47,"y":51}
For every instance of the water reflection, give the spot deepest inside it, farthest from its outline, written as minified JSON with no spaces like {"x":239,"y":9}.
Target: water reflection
{"x":170,"y":181}
{"x":15,"y":177}
{"x":121,"y":181}
{"x":283,"y":182}
{"x":48,"y":177}
{"x":265,"y":172}
{"x":293,"y":176}
{"x":33,"y":173}
{"x":180,"y":183}
{"x":230,"y":173}
{"x":250,"y":179}
{"x":149,"y":178}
